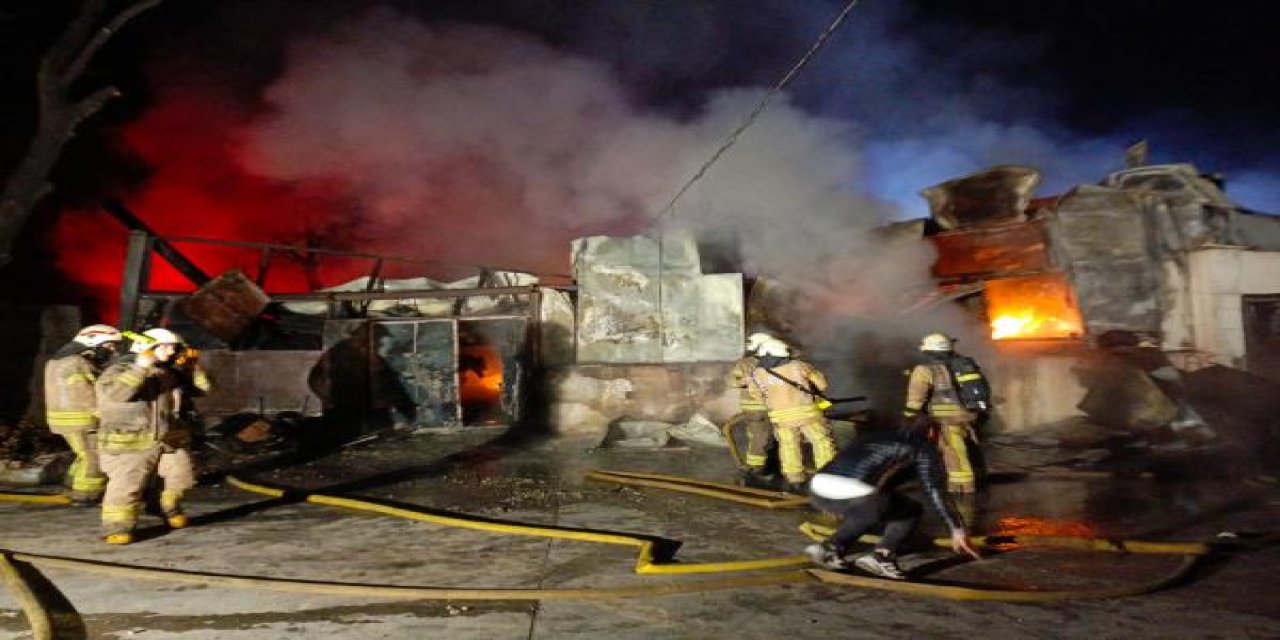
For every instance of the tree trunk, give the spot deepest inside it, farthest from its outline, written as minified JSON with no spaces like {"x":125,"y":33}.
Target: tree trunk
{"x":58,"y":113}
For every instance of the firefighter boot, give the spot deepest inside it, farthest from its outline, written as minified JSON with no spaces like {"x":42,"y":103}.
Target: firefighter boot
{"x":173,"y":514}
{"x":118,"y":538}
{"x":118,"y":521}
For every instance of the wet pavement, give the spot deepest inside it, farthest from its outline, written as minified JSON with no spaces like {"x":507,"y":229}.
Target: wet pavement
{"x":1231,"y":595}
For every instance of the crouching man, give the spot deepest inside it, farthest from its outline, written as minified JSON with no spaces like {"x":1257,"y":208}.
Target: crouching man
{"x":858,"y":487}
{"x":140,"y":398}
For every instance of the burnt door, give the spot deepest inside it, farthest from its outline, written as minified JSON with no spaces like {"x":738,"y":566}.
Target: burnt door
{"x":414,"y":373}
{"x":490,"y":370}
{"x":1262,"y":335}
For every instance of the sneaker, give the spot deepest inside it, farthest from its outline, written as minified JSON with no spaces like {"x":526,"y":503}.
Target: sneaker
{"x":825,"y":556}
{"x":880,"y":565}
{"x":177,"y":521}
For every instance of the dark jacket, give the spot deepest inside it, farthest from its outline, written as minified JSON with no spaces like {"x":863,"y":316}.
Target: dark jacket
{"x":882,"y":459}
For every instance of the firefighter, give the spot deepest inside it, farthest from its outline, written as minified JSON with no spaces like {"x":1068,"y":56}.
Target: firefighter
{"x":71,"y":406}
{"x":948,"y":389}
{"x":858,"y":488}
{"x":792,"y":391}
{"x":141,"y":398}
{"x":754,"y":414}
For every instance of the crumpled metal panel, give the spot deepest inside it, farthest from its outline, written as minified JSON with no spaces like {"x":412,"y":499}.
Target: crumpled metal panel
{"x":632,"y":310}
{"x":617,"y":299}
{"x":226,"y":305}
{"x":1192,"y":207}
{"x":967,"y":253}
{"x":994,"y":196}
{"x":1103,"y":241}
{"x":702,"y":318}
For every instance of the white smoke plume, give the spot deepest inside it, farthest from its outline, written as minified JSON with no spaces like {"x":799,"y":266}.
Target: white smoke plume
{"x":482,"y":145}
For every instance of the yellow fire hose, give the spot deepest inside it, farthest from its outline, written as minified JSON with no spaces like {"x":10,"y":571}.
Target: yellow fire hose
{"x":820,"y":532}
{"x":39,"y":617}
{"x":745,"y":495}
{"x":1191,"y":552}
{"x":950,"y":592}
{"x":35,"y":498}
{"x":396,"y":591}
{"x":645,"y":563}
{"x":727,"y":432}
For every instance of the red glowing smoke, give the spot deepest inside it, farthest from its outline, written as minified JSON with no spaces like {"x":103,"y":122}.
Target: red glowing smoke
{"x":197,"y":189}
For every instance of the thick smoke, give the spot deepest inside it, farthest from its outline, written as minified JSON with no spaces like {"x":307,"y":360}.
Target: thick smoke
{"x":490,"y":146}
{"x":481,"y":145}
{"x":478,"y":144}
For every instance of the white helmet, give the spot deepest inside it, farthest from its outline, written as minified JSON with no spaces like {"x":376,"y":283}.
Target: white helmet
{"x":98,"y":334}
{"x":774,"y":347}
{"x":755,"y":340}
{"x":936,"y":342}
{"x":156,"y":336}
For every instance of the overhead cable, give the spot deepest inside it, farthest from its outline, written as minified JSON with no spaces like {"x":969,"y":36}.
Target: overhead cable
{"x":759,"y":108}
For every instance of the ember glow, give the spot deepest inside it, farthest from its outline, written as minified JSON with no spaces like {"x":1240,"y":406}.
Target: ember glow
{"x":196,"y":187}
{"x":1039,"y":306}
{"x":481,"y":381}
{"x":1014,"y":526}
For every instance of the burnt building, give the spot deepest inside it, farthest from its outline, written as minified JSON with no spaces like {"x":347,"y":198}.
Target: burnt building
{"x":1158,"y":252}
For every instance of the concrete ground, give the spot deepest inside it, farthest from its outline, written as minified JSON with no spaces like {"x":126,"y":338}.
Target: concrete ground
{"x":1233,"y":595}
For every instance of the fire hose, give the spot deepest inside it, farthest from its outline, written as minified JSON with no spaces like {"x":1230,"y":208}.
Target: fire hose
{"x":646,"y":563}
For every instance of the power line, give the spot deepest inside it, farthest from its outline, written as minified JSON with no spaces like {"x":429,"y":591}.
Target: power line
{"x":755,"y":113}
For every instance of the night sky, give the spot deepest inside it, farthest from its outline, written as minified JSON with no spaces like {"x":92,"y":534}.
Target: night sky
{"x":925,"y":90}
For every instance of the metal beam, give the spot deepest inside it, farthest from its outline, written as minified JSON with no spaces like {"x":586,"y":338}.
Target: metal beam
{"x":180,"y":262}
{"x":137,"y":264}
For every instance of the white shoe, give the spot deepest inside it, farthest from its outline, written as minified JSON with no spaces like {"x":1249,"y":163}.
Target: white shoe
{"x":879,"y":565}
{"x":824,"y":556}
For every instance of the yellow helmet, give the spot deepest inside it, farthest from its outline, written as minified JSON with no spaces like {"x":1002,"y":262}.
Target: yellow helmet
{"x":936,"y":342}
{"x":153,"y":337}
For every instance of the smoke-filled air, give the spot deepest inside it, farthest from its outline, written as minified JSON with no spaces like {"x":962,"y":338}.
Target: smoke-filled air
{"x":484,"y":145}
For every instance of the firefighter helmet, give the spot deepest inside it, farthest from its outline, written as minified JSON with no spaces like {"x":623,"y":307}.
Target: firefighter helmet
{"x":153,"y":337}
{"x":96,"y":335}
{"x":936,"y":342}
{"x":774,"y":347}
{"x":755,"y":340}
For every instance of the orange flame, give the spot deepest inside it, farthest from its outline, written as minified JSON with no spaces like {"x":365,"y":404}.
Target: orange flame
{"x":482,"y":381}
{"x":1040,"y":306}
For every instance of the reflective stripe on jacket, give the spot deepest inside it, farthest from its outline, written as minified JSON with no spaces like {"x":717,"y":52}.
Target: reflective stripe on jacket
{"x":139,"y":407}
{"x":785,"y":401}
{"x":69,"y":400}
{"x":930,"y":389}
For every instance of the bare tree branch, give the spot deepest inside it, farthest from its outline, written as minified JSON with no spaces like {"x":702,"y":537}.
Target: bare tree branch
{"x":104,"y":34}
{"x":58,"y":115}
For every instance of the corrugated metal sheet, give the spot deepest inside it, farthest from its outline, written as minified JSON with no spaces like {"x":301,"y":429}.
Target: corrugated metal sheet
{"x":998,"y":195}
{"x":640,"y":302}
{"x":1103,"y":239}
{"x":967,"y":253}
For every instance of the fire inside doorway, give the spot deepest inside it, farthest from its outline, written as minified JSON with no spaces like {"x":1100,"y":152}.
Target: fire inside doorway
{"x":449,"y":372}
